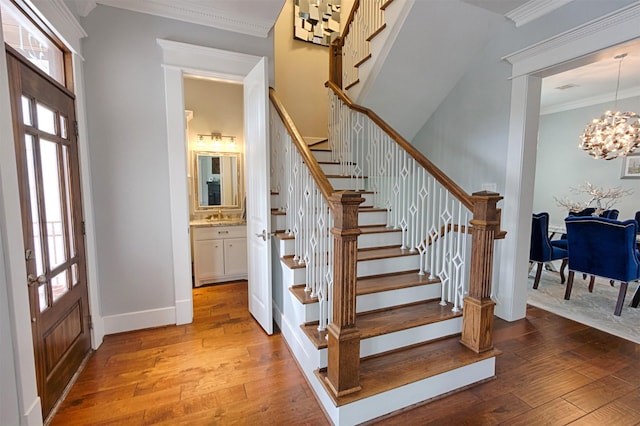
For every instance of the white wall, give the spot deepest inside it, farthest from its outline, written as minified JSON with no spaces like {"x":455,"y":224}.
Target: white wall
{"x":127,"y":131}
{"x":561,"y":164}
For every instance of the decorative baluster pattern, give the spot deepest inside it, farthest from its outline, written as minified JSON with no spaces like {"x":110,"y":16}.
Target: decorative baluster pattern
{"x":367,"y":20}
{"x":433,"y":221}
{"x":309,"y":219}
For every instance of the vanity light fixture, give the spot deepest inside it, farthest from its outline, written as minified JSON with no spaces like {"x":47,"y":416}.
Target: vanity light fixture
{"x":216,"y":138}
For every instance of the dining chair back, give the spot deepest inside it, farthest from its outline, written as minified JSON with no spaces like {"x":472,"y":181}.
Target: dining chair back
{"x":606,"y":248}
{"x":541,"y":250}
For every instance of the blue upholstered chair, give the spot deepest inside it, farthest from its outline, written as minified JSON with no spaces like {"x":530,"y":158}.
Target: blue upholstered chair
{"x":638,"y":220}
{"x":541,"y":249}
{"x":610,"y":214}
{"x":605,"y":248}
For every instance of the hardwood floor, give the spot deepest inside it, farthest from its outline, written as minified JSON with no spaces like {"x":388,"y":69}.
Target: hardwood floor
{"x":222,"y":369}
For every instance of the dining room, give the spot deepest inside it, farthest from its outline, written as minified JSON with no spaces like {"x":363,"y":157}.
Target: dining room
{"x":569,"y":180}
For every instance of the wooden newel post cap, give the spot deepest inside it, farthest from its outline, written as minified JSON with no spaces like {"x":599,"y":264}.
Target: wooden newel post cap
{"x":485,"y":207}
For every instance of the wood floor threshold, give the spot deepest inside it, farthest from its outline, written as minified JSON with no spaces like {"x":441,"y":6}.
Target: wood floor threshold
{"x":389,"y":320}
{"x":400,"y":368}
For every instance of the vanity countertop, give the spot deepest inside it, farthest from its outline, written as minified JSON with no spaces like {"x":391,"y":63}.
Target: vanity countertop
{"x":202,"y":223}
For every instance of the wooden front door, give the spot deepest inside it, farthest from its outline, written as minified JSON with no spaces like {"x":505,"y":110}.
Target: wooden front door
{"x":48,"y":172}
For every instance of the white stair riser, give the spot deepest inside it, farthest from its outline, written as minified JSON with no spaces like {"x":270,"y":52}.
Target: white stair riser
{"x":368,"y":200}
{"x":286,"y":246}
{"x":367,"y":268}
{"x":340,"y":184}
{"x":332,"y":168}
{"x":278,"y":222}
{"x":368,"y":218}
{"x":381,"y":239}
{"x":425,"y":333}
{"x":295,"y":276}
{"x":322,"y":155}
{"x":401,"y":296}
{"x":385,"y":299}
{"x":412,"y":336}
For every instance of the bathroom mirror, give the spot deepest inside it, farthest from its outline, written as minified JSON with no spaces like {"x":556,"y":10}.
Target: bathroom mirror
{"x":217,"y":180}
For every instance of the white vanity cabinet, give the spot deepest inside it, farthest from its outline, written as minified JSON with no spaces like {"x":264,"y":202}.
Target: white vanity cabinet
{"x":219,"y":253}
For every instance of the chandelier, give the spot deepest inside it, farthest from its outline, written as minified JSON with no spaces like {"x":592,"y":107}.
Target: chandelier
{"x":614,"y":134}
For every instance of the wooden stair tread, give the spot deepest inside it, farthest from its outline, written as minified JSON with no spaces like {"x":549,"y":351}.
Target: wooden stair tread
{"x":345,"y":177}
{"x":290,"y":263}
{"x":278,"y":212}
{"x":383,"y":253}
{"x":377,"y":229}
{"x":390,"y":320}
{"x":380,"y":283}
{"x":319,"y":149}
{"x":370,"y":285}
{"x":283,"y":235}
{"x":392,"y":370}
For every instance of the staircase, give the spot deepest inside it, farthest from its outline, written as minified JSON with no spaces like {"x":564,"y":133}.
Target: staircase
{"x":382,"y":288}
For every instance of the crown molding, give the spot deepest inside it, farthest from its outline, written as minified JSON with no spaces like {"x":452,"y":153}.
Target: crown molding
{"x":534,"y":9}
{"x":586,"y":102}
{"x":606,"y":31}
{"x":84,"y":7}
{"x":202,"y":15}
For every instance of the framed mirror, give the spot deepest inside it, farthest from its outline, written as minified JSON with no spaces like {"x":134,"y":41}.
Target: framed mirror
{"x":217,"y":180}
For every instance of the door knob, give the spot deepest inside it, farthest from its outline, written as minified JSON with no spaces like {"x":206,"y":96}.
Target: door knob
{"x":264,"y":235}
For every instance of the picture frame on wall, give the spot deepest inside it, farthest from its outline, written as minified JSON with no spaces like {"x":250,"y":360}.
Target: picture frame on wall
{"x":630,"y":167}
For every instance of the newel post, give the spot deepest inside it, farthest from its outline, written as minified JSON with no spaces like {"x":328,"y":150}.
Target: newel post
{"x":477,"y":320}
{"x":343,"y":367}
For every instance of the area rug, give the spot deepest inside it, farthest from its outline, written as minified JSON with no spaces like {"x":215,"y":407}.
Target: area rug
{"x":593,"y":309}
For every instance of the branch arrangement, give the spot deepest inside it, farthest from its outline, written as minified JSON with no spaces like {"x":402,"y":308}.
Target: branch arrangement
{"x":604,"y":199}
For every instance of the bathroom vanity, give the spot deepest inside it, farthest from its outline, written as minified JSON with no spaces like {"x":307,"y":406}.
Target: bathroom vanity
{"x":219,"y":251}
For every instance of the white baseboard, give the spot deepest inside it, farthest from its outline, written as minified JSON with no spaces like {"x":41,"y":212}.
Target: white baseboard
{"x":184,"y":311}
{"x":139,"y":320}
{"x":33,"y":415}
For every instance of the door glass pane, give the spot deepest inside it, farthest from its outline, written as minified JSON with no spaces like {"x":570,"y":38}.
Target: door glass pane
{"x":43,"y":297}
{"x":52,"y":203}
{"x":46,"y":119}
{"x":67,"y":184}
{"x":33,"y":195}
{"x":64,"y":133}
{"x":74,"y":274}
{"x":59,"y":285}
{"x":21,"y":34}
{"x":27,"y":107}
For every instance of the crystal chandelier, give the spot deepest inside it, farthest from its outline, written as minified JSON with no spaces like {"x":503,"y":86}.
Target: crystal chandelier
{"x":613,"y":135}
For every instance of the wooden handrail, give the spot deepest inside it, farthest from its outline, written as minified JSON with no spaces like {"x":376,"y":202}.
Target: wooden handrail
{"x":438,"y":174}
{"x":316,"y":172}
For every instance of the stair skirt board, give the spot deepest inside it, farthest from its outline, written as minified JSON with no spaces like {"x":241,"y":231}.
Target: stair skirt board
{"x":406,"y":396}
{"x":308,"y":357}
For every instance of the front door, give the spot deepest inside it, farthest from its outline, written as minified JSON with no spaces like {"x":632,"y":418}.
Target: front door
{"x":47,"y":159}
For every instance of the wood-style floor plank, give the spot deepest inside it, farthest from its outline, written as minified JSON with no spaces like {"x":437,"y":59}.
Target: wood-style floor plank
{"x":222,"y":369}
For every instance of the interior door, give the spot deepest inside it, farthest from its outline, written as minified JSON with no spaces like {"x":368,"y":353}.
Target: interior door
{"x":257,"y":183}
{"x":47,"y":159}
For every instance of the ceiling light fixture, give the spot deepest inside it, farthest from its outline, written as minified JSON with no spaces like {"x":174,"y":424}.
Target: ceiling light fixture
{"x":615,"y":134}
